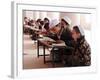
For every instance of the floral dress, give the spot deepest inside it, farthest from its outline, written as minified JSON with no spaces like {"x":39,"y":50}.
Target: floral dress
{"x":82,"y":53}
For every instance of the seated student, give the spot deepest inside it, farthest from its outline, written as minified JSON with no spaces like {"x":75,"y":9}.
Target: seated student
{"x":41,"y":25}
{"x":65,"y":32}
{"x":65,"y":35}
{"x":46,"y":24}
{"x":26,"y":20}
{"x":54,"y":29}
{"x":82,"y":53}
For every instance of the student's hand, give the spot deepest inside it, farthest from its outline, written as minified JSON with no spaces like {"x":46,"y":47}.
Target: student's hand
{"x":58,"y":37}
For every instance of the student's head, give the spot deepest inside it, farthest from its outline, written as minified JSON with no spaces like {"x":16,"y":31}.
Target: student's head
{"x":42,"y":23}
{"x":77,"y":32}
{"x":46,"y":20}
{"x":65,"y":21}
{"x":46,"y":26}
{"x":25,"y":18}
{"x":38,"y":20}
{"x":54,"y":23}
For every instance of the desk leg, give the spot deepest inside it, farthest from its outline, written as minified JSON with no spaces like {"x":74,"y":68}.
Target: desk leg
{"x":53,"y":62}
{"x":38,"y":48}
{"x":44,"y":54}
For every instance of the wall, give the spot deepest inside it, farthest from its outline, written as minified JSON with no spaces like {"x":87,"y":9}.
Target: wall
{"x":85,"y":21}
{"x":76,"y":18}
{"x":41,"y":14}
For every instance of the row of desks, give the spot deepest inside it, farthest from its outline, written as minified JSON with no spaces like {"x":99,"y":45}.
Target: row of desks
{"x":47,"y":42}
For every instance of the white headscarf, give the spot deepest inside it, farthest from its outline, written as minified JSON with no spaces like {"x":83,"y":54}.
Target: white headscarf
{"x":67,"y":19}
{"x":53,"y":23}
{"x":81,"y":30}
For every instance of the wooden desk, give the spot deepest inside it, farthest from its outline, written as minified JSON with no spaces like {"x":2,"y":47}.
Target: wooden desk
{"x":47,"y":42}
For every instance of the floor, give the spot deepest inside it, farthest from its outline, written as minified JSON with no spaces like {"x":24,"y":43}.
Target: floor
{"x":30,"y":59}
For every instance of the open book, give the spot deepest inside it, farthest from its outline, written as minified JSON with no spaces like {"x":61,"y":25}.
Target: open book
{"x":47,"y":39}
{"x":58,"y":44}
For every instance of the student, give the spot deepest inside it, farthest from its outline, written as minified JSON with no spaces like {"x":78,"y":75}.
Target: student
{"x":65,"y":35}
{"x":26,"y":20}
{"x":54,"y":29}
{"x":82,"y":53}
{"x":46,"y":20}
{"x":46,"y":24}
{"x":62,"y":53}
{"x":41,"y":25}
{"x":65,"y":32}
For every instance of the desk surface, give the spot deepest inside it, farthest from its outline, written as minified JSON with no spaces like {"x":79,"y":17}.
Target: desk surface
{"x":51,"y":43}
